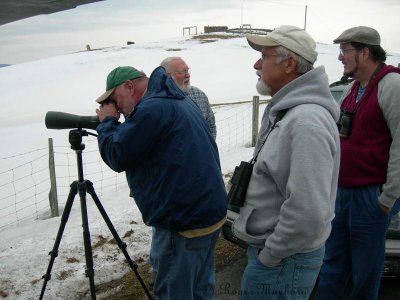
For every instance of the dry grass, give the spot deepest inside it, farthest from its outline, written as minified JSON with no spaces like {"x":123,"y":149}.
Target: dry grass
{"x":210,"y":38}
{"x":215,"y":36}
{"x":64,"y":274}
{"x":128,"y":287}
{"x":173,"y":49}
{"x":3,"y":293}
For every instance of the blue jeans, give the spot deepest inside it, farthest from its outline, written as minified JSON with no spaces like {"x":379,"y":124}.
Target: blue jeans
{"x":184,"y":266}
{"x":355,"y":249}
{"x":293,"y":278}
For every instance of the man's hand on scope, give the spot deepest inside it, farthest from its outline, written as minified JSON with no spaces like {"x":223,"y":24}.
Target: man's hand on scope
{"x":106,"y":109}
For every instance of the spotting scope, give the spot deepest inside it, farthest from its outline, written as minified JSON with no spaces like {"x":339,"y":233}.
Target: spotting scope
{"x":61,"y":120}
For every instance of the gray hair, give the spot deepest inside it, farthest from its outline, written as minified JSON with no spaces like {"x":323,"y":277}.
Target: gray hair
{"x":166,"y":62}
{"x":303,"y":65}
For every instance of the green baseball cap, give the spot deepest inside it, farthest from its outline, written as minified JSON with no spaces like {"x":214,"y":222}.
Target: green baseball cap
{"x":117,"y":77}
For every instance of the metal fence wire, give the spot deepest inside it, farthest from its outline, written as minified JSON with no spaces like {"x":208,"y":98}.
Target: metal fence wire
{"x":24,"y":188}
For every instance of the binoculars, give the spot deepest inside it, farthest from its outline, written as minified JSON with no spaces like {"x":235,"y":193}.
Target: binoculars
{"x":345,"y":123}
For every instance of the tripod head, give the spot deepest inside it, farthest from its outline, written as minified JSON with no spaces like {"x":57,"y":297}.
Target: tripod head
{"x":75,"y":138}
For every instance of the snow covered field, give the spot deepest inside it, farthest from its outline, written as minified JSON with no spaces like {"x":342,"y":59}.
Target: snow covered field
{"x":71,"y":83}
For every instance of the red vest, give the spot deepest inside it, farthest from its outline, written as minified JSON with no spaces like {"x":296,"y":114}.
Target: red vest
{"x":365,"y":154}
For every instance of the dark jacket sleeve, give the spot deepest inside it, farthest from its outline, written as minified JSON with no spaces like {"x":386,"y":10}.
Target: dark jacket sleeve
{"x":124,"y":145}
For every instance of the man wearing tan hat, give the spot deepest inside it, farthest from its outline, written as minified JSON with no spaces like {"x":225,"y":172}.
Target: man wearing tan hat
{"x":286,"y":217}
{"x":369,"y":168}
{"x":172,"y":167}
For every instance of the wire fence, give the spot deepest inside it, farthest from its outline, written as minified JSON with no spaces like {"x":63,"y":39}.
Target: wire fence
{"x":24,"y":187}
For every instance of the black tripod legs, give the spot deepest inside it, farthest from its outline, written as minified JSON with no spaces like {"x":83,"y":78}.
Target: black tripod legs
{"x":82,"y":187}
{"x":54,"y":253}
{"x":120,"y":243}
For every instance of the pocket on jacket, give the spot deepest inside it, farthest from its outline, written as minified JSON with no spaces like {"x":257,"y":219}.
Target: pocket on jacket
{"x":240,"y":227}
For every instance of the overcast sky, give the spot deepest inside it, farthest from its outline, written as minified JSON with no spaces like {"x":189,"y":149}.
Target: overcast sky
{"x":114,"y":22}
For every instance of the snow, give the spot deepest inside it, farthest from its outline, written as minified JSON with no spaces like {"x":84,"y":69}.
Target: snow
{"x":71,"y":83}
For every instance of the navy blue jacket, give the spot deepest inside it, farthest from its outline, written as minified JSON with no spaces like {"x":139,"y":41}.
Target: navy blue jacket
{"x":169,"y":156}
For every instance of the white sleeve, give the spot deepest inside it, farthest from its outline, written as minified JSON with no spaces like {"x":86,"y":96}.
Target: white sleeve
{"x":389,"y":102}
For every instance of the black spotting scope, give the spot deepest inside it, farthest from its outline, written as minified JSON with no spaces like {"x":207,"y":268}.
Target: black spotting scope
{"x":60,"y":120}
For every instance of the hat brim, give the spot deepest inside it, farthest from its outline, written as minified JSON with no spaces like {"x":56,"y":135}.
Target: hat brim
{"x":105,"y":96}
{"x":257,"y":42}
{"x":341,"y":41}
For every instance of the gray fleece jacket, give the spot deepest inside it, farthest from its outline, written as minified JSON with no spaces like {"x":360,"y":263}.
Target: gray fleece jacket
{"x":290,"y":200}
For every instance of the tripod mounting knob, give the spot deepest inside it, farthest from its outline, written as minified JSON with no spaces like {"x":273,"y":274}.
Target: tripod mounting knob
{"x":75,"y":139}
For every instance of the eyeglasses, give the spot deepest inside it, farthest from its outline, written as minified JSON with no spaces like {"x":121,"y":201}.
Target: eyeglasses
{"x":342,"y":52}
{"x":266,"y":56}
{"x":182,"y":72}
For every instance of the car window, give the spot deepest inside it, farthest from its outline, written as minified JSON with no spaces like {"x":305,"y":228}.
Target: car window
{"x":337,"y":94}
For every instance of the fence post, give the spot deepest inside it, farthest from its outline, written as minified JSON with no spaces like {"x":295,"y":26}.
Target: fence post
{"x":53,"y":184}
{"x":256,"y":108}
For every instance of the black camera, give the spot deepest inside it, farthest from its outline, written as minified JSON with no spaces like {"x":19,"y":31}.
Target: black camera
{"x":345,"y":123}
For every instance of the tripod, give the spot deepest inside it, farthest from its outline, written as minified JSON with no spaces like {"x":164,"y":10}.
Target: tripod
{"x":82,"y":186}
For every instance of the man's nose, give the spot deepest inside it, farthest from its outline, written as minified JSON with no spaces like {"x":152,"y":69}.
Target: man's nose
{"x":258,"y":64}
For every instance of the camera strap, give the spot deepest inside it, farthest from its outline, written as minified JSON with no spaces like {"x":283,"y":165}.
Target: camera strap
{"x":278,"y":117}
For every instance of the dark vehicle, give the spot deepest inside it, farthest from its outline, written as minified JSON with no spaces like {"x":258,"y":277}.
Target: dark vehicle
{"x":392,"y":259}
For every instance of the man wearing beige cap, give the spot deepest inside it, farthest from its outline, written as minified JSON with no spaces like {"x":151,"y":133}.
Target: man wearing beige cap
{"x":286,"y":217}
{"x":369,"y":168}
{"x":172,"y":167}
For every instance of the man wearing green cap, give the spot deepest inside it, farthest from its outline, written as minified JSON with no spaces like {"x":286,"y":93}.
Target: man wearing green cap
{"x":173,"y":172}
{"x":369,"y":168}
{"x":123,"y":80}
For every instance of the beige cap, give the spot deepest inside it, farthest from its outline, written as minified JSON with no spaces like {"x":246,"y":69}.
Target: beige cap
{"x":290,"y":37}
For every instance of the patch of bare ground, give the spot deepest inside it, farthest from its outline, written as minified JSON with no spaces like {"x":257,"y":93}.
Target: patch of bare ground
{"x":210,"y":38}
{"x":128,"y":287}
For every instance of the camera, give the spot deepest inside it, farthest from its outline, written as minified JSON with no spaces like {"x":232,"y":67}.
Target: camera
{"x":345,"y":123}
{"x":61,"y":120}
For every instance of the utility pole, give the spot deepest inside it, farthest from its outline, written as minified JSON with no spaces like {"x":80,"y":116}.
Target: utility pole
{"x":305,"y":19}
{"x":241,"y":16}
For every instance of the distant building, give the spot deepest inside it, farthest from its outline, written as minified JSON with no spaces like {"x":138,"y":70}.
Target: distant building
{"x":208,"y":29}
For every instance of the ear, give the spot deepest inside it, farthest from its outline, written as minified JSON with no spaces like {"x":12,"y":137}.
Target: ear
{"x":290,"y":65}
{"x":129,"y":85}
{"x":365,"y":53}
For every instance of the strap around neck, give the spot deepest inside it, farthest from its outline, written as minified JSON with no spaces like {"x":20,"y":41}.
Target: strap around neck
{"x":278,"y":117}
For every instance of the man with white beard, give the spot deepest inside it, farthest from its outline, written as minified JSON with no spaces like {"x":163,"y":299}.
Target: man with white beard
{"x":287,"y":213}
{"x":180,"y":72}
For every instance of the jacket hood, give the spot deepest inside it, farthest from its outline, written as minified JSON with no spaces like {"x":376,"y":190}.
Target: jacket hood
{"x":161,"y":85}
{"x":315,"y":83}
